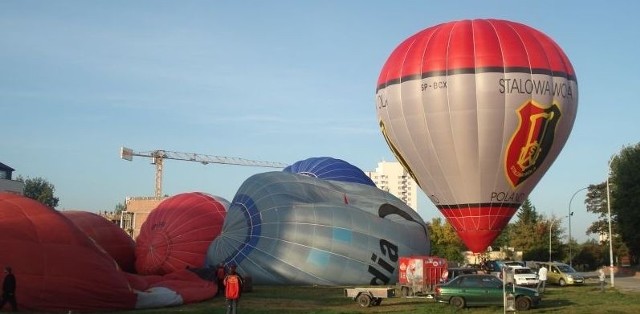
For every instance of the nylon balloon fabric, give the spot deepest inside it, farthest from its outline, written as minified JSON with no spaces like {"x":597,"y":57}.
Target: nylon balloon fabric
{"x":477,"y":111}
{"x":108,"y":235}
{"x":57,"y":267}
{"x":329,"y":168}
{"x":178,"y":232}
{"x":287,"y":228}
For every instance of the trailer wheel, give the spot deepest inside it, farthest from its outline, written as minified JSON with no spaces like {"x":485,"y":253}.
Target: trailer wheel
{"x":404,"y":291}
{"x":377,"y":301}
{"x":364,"y":300}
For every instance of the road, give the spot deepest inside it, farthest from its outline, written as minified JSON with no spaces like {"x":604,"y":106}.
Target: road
{"x":626,"y":283}
{"x":623,"y":282}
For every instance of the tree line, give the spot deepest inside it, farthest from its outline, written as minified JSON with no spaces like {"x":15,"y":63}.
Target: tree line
{"x":530,"y":233}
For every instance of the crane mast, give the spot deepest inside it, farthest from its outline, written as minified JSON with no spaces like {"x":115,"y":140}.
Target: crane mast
{"x":158,"y":157}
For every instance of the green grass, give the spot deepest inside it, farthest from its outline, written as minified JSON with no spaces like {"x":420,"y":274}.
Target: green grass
{"x":331,"y":300}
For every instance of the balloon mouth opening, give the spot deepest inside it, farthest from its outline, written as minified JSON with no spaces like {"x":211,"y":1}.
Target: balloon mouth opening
{"x":479,"y":226}
{"x":477,"y":241}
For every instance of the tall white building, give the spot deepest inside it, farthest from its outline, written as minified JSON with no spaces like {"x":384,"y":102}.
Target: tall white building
{"x":391,"y":177}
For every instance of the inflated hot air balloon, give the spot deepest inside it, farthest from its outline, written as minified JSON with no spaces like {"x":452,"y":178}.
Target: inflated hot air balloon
{"x":477,"y":111}
{"x":107,"y":235}
{"x":178,"y":233}
{"x":285,"y":228}
{"x":329,"y":168}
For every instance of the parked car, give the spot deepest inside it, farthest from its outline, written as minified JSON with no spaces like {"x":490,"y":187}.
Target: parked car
{"x":494,"y":267}
{"x":483,"y":289}
{"x":562,"y":274}
{"x":514,"y":263}
{"x":457,"y":271}
{"x":524,"y":276}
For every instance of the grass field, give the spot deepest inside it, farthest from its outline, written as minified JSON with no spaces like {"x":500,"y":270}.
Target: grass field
{"x":331,"y":300}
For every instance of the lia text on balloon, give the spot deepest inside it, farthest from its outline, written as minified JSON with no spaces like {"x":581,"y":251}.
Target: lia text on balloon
{"x":382,"y":276}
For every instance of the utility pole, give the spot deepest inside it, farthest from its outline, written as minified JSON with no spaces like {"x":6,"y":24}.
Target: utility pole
{"x":609,"y":216}
{"x":571,"y":214}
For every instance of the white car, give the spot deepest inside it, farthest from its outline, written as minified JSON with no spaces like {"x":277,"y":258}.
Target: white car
{"x":524,"y":276}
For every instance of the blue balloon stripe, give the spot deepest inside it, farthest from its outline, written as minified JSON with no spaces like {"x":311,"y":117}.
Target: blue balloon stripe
{"x":342,"y":235}
{"x":319,"y":258}
{"x":328,"y":168}
{"x":251,"y":213}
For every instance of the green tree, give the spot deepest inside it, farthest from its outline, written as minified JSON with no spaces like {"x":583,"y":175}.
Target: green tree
{"x":590,"y":255}
{"x":527,"y":233}
{"x":504,"y":238}
{"x":625,"y":197}
{"x":527,"y":213}
{"x":445,"y":241}
{"x":40,"y":190}
{"x":120,"y":208}
{"x":555,"y":245}
{"x":596,"y":202}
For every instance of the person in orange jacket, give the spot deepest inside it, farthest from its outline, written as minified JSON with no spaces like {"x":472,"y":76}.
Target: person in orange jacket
{"x":232,"y":289}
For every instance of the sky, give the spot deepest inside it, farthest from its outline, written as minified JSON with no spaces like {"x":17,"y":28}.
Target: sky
{"x":274,"y":81}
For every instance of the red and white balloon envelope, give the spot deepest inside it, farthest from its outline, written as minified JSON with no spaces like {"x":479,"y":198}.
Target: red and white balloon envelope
{"x":477,"y":111}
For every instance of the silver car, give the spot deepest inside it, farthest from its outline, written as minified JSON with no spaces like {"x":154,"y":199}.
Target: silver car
{"x":524,"y":276}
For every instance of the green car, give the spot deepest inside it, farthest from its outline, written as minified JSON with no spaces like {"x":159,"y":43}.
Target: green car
{"x":480,"y":289}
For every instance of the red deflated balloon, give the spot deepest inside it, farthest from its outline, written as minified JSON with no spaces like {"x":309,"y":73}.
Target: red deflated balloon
{"x":177,"y":233}
{"x":57,"y":267}
{"x":477,"y":111}
{"x":107,"y":235}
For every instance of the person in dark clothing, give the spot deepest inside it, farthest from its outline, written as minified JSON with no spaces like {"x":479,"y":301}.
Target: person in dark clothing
{"x":220,"y":274}
{"x":9,"y":289}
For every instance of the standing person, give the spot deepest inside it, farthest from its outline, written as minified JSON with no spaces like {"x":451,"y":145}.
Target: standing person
{"x":601,"y":277}
{"x":542,"y":278}
{"x":9,"y":289}
{"x":220,"y":274}
{"x":483,"y":266}
{"x":233,"y":287}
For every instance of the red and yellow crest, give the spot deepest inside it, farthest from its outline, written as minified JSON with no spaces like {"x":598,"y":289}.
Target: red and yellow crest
{"x":531,"y":142}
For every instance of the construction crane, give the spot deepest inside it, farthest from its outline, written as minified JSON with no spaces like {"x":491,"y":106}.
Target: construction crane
{"x":158,"y":156}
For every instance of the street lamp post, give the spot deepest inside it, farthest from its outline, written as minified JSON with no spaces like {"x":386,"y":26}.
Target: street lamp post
{"x":550,"y":227}
{"x":610,"y":235}
{"x":571,"y":214}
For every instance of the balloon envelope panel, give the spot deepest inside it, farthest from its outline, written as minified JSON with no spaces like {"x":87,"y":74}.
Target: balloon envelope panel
{"x":477,"y":111}
{"x":57,"y":267}
{"x":284,"y":228}
{"x":178,"y":232}
{"x":107,"y":235}
{"x":180,"y":287}
{"x":329,"y":168}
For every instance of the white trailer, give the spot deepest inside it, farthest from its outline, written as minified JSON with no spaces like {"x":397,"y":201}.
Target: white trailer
{"x":368,"y":296}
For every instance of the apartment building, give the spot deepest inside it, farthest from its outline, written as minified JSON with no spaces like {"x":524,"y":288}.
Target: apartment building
{"x":390,"y":176}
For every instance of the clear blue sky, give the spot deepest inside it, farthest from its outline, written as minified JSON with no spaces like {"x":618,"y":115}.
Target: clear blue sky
{"x":266,"y":80}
